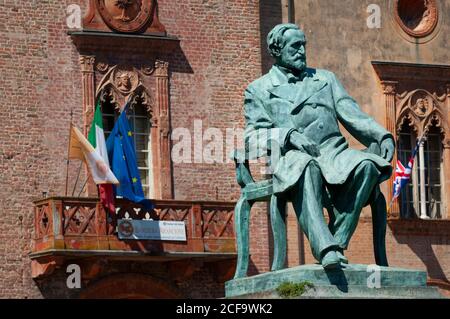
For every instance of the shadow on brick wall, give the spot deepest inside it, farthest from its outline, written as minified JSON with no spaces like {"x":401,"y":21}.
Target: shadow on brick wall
{"x":422,"y":248}
{"x":270,"y":15}
{"x":179,"y":61}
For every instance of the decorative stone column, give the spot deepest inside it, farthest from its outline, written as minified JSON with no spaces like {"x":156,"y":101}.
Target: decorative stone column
{"x":87,"y":73}
{"x":163,"y":176}
{"x":446,"y":173}
{"x":446,"y":163}
{"x":88,"y":81}
{"x":390,"y":90}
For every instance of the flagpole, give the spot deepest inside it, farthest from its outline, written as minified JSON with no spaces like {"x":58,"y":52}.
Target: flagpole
{"x":78,"y":177}
{"x":418,"y":147}
{"x":390,"y":205}
{"x":84,"y":185}
{"x":68,"y":150}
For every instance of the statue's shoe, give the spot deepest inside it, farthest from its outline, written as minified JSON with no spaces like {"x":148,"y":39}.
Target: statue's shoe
{"x":341,"y":257}
{"x":330,"y":260}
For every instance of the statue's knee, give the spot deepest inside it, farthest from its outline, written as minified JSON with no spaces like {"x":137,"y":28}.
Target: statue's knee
{"x":313,"y":168}
{"x":369,"y":168}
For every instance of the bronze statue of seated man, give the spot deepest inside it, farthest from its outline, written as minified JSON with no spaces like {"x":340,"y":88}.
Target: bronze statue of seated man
{"x":299,"y":109}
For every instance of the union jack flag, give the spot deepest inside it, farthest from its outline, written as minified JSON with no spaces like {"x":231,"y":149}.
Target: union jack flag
{"x":402,"y":173}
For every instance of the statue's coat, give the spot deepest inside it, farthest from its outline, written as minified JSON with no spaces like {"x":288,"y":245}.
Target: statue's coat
{"x":275,"y":106}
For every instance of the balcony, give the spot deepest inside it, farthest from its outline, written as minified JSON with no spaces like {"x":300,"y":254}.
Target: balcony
{"x":69,"y":228}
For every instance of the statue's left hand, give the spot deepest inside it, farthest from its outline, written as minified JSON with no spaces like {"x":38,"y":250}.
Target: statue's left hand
{"x":387,"y":149}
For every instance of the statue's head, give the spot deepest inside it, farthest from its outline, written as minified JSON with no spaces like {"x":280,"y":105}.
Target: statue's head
{"x":286,"y":43}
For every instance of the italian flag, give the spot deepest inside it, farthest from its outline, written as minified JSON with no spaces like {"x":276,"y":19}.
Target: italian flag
{"x":96,"y":138}
{"x":80,"y":148}
{"x":105,"y":178}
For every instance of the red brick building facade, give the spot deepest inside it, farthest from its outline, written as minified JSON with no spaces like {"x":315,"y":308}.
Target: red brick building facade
{"x":194,"y":66}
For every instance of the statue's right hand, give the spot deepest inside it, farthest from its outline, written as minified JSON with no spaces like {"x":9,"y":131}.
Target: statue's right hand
{"x":304,"y":144}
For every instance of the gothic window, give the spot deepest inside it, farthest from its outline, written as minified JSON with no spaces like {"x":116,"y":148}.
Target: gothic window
{"x":140,"y":125}
{"x":417,"y":101}
{"x":410,"y":198}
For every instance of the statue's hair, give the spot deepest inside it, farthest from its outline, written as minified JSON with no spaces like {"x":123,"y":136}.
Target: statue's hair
{"x":275,"y":39}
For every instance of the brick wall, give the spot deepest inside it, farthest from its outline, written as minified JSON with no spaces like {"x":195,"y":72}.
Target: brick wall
{"x":271,"y":14}
{"x":220,"y":41}
{"x":42,"y":84}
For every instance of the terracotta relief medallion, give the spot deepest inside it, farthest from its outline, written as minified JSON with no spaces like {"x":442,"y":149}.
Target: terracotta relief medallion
{"x":125,"y":15}
{"x":422,"y":106}
{"x":418,"y":18}
{"x":125,"y":81}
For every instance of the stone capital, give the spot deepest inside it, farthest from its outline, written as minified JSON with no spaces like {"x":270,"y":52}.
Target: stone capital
{"x":87,"y":63}
{"x":389,"y":87}
{"x":161,"y":68}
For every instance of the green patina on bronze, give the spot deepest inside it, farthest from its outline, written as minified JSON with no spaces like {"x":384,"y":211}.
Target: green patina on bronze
{"x":295,"y":111}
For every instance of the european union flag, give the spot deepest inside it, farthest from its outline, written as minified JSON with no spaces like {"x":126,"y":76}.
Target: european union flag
{"x":122,"y":156}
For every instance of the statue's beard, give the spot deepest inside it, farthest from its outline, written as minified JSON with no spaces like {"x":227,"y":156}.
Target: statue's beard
{"x":296,"y":66}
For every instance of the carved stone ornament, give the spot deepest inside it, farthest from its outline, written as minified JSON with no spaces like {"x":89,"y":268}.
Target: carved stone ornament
{"x":418,"y":18}
{"x":125,"y":16}
{"x":102,"y":66}
{"x":87,"y":63}
{"x":122,"y":83}
{"x":162,"y":68}
{"x":125,"y":81}
{"x":421,"y":109}
{"x":147,"y":69}
{"x":389,"y":87}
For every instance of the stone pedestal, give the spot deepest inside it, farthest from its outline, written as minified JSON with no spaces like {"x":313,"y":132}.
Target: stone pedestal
{"x":351,"y":281}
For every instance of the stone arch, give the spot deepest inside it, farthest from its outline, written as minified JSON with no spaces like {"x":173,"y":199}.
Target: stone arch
{"x":122,"y":83}
{"x":130,"y":286}
{"x":435,"y":118}
{"x":410,"y":100}
{"x":407,"y":117}
{"x":422,"y":109}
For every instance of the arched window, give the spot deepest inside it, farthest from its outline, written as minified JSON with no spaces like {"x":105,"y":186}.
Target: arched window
{"x":140,"y":125}
{"x":410,"y":197}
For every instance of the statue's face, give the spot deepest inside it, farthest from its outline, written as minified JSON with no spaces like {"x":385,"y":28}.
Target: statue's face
{"x":293,"y":54}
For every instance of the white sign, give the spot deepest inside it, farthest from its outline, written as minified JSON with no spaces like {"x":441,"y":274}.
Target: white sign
{"x":151,"y":230}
